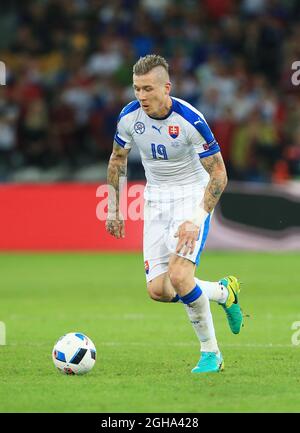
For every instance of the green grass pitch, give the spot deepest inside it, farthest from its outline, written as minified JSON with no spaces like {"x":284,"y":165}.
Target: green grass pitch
{"x":145,"y":349}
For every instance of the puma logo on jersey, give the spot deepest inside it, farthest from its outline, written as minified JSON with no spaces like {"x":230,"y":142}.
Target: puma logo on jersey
{"x":198,"y":121}
{"x":157,"y":129}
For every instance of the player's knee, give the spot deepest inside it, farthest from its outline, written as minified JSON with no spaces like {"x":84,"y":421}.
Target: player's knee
{"x":154,"y":291}
{"x":177,"y":277}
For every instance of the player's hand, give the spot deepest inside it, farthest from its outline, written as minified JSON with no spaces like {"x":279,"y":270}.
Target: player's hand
{"x":188,"y":234}
{"x":116,"y":227}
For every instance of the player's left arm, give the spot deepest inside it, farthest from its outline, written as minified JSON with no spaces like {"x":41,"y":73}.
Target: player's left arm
{"x":215,"y":167}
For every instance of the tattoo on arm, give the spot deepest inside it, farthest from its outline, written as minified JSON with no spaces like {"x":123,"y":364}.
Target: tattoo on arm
{"x":215,"y":167}
{"x":116,"y":176}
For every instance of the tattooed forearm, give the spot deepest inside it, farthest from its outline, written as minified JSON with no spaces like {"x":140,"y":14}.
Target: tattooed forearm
{"x":215,"y":167}
{"x":116,"y":176}
{"x":213,"y":192}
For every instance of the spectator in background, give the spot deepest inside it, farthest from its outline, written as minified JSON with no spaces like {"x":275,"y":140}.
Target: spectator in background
{"x":34,"y":133}
{"x":106,"y":59}
{"x":292,"y":155}
{"x":63,"y":132}
{"x":9,"y":114}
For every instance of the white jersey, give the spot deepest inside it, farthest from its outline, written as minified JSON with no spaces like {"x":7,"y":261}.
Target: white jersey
{"x":170,"y":147}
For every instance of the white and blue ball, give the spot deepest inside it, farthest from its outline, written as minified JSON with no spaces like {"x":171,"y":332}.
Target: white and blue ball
{"x":74,"y":353}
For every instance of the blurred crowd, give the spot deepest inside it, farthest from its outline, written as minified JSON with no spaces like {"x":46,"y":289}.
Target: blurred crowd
{"x":69,"y":73}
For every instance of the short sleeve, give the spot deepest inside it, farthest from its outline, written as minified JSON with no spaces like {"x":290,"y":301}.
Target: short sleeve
{"x":122,"y":135}
{"x":203,"y":139}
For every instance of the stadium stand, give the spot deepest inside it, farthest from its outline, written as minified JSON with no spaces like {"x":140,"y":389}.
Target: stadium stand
{"x":69,"y":66}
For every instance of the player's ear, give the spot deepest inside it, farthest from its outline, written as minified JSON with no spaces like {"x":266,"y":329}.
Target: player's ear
{"x":168,"y":88}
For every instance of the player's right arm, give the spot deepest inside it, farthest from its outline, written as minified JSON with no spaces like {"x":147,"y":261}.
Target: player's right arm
{"x":116,"y":175}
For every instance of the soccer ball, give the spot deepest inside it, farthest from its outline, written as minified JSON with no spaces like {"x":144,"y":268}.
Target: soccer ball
{"x":74,"y":353}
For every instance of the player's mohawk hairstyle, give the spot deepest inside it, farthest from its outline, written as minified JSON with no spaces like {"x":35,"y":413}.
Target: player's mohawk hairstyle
{"x":147,"y":63}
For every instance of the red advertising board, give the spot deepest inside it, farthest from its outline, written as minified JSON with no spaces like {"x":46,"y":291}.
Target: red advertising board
{"x":58,"y":217}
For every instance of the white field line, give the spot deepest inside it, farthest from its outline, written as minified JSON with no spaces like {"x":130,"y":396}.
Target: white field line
{"x":142,"y":316}
{"x":186,"y":343}
{"x":173,"y":344}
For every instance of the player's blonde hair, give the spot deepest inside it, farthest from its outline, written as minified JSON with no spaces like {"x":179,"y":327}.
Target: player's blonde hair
{"x":149,"y":62}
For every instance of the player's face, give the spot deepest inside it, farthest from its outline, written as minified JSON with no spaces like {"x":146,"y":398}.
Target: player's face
{"x":152,"y":93}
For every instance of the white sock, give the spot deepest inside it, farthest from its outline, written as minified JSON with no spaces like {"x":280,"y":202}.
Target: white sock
{"x":201,"y":319}
{"x":213,"y":290}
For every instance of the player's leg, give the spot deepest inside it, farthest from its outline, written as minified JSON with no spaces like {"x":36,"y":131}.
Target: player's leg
{"x":156,"y":254}
{"x":225,"y":292}
{"x":213,"y":290}
{"x":160,"y":289}
{"x":231,"y":305}
{"x":196,"y":303}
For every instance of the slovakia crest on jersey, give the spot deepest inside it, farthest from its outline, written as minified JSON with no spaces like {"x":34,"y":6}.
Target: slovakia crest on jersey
{"x":173,"y":131}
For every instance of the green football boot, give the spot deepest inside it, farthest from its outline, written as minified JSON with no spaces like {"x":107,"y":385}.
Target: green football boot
{"x":231,"y":307}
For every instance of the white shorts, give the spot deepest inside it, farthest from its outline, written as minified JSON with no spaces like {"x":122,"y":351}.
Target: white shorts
{"x":161,"y":221}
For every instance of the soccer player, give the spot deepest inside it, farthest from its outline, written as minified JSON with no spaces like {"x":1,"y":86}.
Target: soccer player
{"x":185,"y":176}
